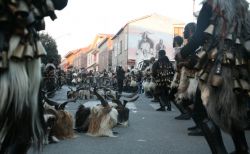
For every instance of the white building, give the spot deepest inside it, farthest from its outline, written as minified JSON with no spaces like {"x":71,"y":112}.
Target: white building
{"x":140,"y":39}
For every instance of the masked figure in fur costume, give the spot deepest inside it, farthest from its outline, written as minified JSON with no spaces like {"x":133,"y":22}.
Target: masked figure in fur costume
{"x":149,"y":84}
{"x":187,"y":88}
{"x":21,"y":119}
{"x":163,"y":72}
{"x":177,"y":44}
{"x":223,"y":31}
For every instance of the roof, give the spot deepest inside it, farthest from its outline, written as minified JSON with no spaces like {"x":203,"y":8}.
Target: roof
{"x":83,"y":50}
{"x":69,"y":54}
{"x":95,"y":42}
{"x":131,"y":21}
{"x":105,"y":40}
{"x":141,"y":18}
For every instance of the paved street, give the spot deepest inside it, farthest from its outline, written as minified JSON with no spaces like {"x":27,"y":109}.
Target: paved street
{"x":149,"y":132}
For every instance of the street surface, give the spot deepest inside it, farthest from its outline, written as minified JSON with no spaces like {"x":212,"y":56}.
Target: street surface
{"x":149,"y":132}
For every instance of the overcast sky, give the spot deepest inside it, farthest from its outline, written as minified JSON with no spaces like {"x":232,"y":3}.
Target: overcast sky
{"x":81,"y":20}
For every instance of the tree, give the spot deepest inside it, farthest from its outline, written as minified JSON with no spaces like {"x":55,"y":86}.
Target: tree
{"x":50,"y":46}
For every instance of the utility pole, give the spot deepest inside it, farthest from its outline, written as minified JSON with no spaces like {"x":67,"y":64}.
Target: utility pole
{"x":194,"y":10}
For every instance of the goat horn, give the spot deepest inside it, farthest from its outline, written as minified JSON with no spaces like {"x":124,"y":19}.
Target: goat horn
{"x":111,"y":96}
{"x":51,"y":111}
{"x":132,"y":99}
{"x":125,"y":103}
{"x":62,"y":106}
{"x":117,"y":101}
{"x":103,"y":101}
{"x":129,"y":100}
{"x":81,"y":88}
{"x":117,"y":95}
{"x":105,"y":88}
{"x":70,"y":88}
{"x":129,"y":96}
{"x":50,"y":102}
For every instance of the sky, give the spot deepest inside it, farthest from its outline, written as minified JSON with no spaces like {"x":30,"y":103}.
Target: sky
{"x":79,"y":22}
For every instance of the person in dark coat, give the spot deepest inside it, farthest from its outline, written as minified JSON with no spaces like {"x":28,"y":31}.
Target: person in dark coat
{"x":120,"y":76}
{"x":163,"y":72}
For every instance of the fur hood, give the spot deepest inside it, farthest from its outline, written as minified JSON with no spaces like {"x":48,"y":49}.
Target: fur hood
{"x":231,"y":13}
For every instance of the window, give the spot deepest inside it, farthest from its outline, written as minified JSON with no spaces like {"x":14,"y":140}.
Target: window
{"x":126,"y":42}
{"x":115,"y":48}
{"x":178,"y":31}
{"x":120,"y":51}
{"x":94,"y":58}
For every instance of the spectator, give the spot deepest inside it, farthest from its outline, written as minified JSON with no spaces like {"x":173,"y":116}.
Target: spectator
{"x":120,"y":76}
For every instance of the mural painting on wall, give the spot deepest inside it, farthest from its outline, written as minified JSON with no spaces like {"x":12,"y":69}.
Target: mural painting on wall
{"x":145,"y":47}
{"x":159,"y":46}
{"x":145,"y":43}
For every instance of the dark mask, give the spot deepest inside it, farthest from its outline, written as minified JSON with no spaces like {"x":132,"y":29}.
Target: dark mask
{"x":174,"y":45}
{"x":186,"y":33}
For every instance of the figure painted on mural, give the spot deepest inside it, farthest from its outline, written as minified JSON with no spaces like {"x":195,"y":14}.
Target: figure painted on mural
{"x":145,"y":48}
{"x":159,"y":46}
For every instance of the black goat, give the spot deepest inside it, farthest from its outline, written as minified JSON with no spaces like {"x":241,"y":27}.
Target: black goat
{"x":58,"y":121}
{"x":123,"y":111}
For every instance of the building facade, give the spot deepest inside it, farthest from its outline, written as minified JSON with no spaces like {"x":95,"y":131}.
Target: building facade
{"x":142,"y":38}
{"x":93,"y":53}
{"x":105,"y":54}
{"x":69,"y":59}
{"x":75,"y":59}
{"x":80,"y":59}
{"x":138,"y":40}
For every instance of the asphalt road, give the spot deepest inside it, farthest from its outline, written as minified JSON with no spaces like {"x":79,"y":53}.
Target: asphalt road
{"x":149,"y":132}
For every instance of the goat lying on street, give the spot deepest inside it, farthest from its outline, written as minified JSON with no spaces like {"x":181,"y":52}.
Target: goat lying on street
{"x":59,"y":122}
{"x":99,"y":120}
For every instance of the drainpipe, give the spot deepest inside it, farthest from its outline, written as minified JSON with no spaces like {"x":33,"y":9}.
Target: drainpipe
{"x":127,"y":32}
